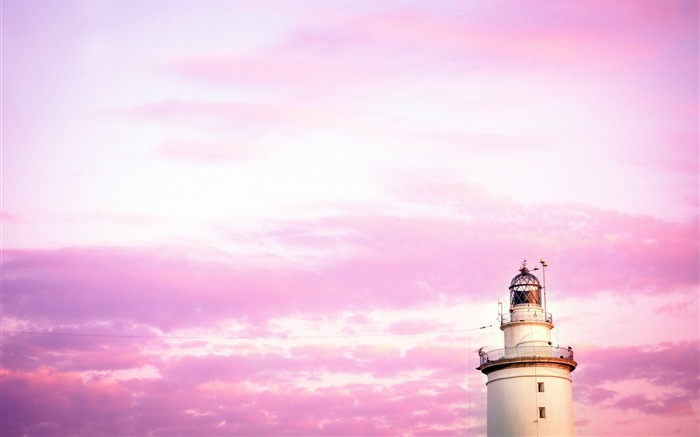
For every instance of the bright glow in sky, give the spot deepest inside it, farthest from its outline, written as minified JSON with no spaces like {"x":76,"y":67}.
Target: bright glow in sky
{"x":323,"y":171}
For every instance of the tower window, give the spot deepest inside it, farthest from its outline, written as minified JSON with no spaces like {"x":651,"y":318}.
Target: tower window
{"x":543,"y":414}
{"x":540,"y":387}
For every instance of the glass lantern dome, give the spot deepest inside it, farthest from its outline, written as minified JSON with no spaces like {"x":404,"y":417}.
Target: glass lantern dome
{"x":525,"y":289}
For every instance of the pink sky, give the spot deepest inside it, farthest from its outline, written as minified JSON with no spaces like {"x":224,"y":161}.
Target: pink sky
{"x":291,"y":218}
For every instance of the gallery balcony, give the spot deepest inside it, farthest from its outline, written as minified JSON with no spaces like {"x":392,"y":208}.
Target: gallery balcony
{"x":530,"y":316}
{"x":499,"y":358}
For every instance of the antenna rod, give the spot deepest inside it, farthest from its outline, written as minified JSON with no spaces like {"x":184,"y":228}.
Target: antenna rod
{"x":544,"y":286}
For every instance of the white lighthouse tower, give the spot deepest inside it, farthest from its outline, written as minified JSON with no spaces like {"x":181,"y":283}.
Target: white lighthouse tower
{"x":529,"y":381}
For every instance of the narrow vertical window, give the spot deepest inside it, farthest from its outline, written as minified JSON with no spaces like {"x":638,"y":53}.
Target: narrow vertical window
{"x":543,"y":414}
{"x":540,"y":387}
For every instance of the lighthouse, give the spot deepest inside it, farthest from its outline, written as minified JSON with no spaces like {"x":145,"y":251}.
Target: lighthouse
{"x":529,"y":380}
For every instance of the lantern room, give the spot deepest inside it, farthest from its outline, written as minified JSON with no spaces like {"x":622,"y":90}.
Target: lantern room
{"x":525,"y":289}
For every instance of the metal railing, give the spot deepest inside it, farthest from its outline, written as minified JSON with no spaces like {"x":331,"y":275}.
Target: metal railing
{"x":538,"y":316}
{"x":526,"y":352}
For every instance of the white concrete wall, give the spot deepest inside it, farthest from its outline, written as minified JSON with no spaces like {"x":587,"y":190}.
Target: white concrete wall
{"x":513,"y":402}
{"x":526,"y":334}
